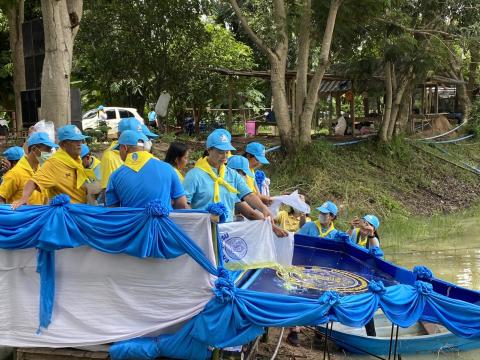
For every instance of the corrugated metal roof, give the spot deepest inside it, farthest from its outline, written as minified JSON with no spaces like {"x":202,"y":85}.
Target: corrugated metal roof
{"x":336,"y":86}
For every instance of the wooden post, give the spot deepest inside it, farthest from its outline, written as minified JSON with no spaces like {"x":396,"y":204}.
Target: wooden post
{"x":352,"y":111}
{"x":230,"y":104}
{"x":338,"y":105}
{"x":436,"y":98}
{"x":422,"y":101}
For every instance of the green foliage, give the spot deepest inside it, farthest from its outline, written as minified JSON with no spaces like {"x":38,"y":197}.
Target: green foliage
{"x":100,"y":134}
{"x":473,"y":124}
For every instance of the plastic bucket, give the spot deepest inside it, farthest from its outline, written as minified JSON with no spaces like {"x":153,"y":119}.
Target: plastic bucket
{"x":250,"y":128}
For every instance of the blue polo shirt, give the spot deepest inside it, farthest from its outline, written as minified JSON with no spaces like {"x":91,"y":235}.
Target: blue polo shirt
{"x":311,"y":229}
{"x":199,"y":188}
{"x":156,"y":180}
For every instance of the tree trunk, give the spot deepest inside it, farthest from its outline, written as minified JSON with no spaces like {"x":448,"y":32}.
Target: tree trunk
{"x":473,"y":69}
{"x":405,"y":109}
{"x":312,"y":94}
{"x":61,"y":19}
{"x":15,"y":20}
{"x":398,"y":96}
{"x":280,"y":106}
{"x":388,"y":103}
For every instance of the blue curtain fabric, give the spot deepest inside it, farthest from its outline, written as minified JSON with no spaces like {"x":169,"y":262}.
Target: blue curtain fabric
{"x":234,"y":316}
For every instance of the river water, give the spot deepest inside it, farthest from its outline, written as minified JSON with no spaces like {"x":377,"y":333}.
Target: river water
{"x":449,"y":246}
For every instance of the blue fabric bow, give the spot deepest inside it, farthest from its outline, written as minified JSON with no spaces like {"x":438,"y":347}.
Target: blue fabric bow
{"x":422,"y":273}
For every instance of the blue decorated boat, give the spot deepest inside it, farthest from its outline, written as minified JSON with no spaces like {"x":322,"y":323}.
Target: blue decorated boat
{"x":347,"y":268}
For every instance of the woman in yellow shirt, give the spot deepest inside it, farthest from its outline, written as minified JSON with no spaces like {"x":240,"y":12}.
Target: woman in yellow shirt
{"x":177,"y":156}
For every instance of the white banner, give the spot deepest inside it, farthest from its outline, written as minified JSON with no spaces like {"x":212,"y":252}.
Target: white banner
{"x":102,"y":298}
{"x":252,"y":244}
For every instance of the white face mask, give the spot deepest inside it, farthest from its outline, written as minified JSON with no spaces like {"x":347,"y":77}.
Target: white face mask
{"x":323,"y":218}
{"x":148,"y":146}
{"x":44,"y":156}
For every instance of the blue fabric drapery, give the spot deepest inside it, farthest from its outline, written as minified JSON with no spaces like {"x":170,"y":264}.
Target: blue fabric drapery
{"x":147,"y":232}
{"x":234,"y":316}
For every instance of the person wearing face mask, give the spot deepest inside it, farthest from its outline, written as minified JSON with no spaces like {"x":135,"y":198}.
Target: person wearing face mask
{"x":142,"y":177}
{"x":91,"y":164}
{"x":323,"y":227}
{"x":63,"y":172}
{"x":210,"y":181}
{"x":39,"y":148}
{"x":364,"y":231}
{"x":255,"y":154}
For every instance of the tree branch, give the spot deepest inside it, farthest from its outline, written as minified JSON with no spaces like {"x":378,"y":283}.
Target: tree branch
{"x":255,"y":38}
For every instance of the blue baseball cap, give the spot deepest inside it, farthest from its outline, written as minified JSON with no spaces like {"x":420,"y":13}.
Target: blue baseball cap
{"x":100,"y":107}
{"x":14,"y":153}
{"x":258,"y":150}
{"x":85,"y":151}
{"x":372,"y":220}
{"x":220,"y":139}
{"x":129,"y":124}
{"x":328,"y":207}
{"x":40,"y":138}
{"x":131,"y":138}
{"x":238,"y":162}
{"x":146,"y":131}
{"x":70,"y":132}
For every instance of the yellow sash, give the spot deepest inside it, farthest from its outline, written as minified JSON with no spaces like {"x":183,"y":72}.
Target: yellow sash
{"x":360,"y":241}
{"x":91,"y":170}
{"x":321,"y":233}
{"x":251,"y":182}
{"x":180,"y":175}
{"x":203,"y":165}
{"x":62,"y":156}
{"x":137,"y":160}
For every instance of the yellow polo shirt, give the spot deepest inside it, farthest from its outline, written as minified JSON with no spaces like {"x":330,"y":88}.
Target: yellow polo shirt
{"x":111,"y":161}
{"x":58,"y":178}
{"x":14,"y":181}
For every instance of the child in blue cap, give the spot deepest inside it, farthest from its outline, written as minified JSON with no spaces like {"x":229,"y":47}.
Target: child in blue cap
{"x":323,"y":227}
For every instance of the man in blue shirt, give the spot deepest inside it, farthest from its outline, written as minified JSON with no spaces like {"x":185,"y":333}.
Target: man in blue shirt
{"x":142,"y":177}
{"x":211,"y":181}
{"x":323,"y":227}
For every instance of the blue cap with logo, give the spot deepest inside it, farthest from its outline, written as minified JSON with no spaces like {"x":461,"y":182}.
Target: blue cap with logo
{"x":130,"y":123}
{"x":372,"y":220}
{"x":14,"y":153}
{"x":70,"y":132}
{"x":146,"y":131}
{"x":85,"y":151}
{"x":220,"y":139}
{"x":328,"y":207}
{"x":238,"y":162}
{"x":131,"y":138}
{"x":100,"y":108}
{"x":42,"y":138}
{"x":258,"y":150}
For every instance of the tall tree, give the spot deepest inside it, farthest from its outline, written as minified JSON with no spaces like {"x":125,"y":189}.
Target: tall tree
{"x":61,"y":21}
{"x":298,"y":33}
{"x":14,"y":10}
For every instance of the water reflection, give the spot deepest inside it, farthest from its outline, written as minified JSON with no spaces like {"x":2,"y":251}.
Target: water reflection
{"x":454,"y":258}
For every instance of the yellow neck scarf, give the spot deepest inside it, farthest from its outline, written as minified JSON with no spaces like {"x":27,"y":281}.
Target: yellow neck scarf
{"x":137,"y":160}
{"x":91,"y":170}
{"x":251,"y":182}
{"x":321,"y":233}
{"x":180,"y":175}
{"x":62,"y":156}
{"x":203,"y":165}
{"x":360,"y":241}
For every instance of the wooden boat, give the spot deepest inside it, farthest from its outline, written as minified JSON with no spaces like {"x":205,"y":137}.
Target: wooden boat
{"x":417,"y":339}
{"x":358,"y":268}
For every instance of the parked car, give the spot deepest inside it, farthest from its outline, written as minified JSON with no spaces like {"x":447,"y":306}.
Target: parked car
{"x":90,"y":120}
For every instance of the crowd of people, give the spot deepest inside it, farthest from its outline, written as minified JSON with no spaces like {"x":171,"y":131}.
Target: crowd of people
{"x":129,"y":175}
